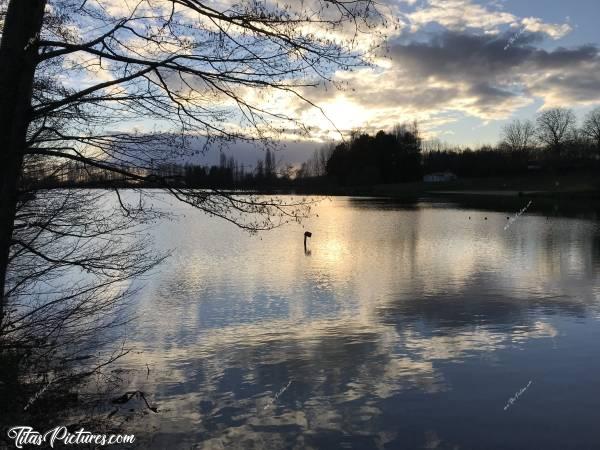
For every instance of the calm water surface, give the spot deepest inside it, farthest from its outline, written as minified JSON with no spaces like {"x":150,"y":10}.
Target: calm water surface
{"x":403,"y":327}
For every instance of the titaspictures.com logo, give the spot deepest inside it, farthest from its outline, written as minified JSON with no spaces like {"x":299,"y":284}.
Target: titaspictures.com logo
{"x":24,"y":435}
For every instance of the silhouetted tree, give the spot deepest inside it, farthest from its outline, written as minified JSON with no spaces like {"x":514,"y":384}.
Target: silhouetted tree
{"x":192,"y":69}
{"x":260,"y":171}
{"x":384,"y":158}
{"x":591,"y":127}
{"x":177,"y":62}
{"x":555,"y":128}
{"x":72,"y":259}
{"x":518,"y":135}
{"x":269,"y":166}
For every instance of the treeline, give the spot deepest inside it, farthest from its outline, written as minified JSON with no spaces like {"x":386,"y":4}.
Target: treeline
{"x":364,"y":159}
{"x":553,"y":142}
{"x":383,"y":158}
{"x":228,"y":174}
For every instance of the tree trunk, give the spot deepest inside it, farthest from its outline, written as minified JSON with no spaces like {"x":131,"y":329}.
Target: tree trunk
{"x":18,"y":59}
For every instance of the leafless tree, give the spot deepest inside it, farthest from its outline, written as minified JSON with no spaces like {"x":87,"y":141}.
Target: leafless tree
{"x":435,"y":145}
{"x":316,"y":165}
{"x":73,"y":258}
{"x":555,"y":128}
{"x":591,"y":127}
{"x":518,"y":135}
{"x":78,"y":76}
{"x":191,"y":68}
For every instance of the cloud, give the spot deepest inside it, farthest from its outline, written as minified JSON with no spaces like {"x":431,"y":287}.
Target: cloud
{"x":460,"y":15}
{"x":446,"y":59}
{"x":555,"y":31}
{"x":485,"y":63}
{"x":464,"y":73}
{"x":495,"y":77}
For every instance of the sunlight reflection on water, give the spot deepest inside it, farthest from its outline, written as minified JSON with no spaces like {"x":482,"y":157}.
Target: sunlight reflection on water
{"x":407,"y":326}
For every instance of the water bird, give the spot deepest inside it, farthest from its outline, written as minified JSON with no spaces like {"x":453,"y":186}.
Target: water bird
{"x":307,"y":234}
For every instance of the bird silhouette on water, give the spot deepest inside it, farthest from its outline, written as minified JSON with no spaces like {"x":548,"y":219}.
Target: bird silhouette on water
{"x":307,"y":234}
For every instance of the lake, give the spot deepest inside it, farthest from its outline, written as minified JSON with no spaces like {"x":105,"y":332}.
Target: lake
{"x":415,"y":325}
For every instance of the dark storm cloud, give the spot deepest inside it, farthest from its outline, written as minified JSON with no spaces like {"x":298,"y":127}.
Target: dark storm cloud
{"x":487,"y":95}
{"x":484,"y":73}
{"x":452,"y":55}
{"x":574,"y":86}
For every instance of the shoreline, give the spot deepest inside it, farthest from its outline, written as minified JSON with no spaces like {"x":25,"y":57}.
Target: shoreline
{"x":578,"y":186}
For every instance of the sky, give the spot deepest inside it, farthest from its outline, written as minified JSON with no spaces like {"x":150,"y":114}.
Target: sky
{"x":461,"y":68}
{"x":465,"y":68}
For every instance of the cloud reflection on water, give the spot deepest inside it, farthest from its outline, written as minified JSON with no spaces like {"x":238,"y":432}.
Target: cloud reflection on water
{"x":375,"y":321}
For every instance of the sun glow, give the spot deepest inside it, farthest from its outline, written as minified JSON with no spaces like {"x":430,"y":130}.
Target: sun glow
{"x":344,"y":114}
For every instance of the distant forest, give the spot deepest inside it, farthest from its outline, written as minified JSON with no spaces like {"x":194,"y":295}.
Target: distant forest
{"x":553,"y":143}
{"x":228,"y":174}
